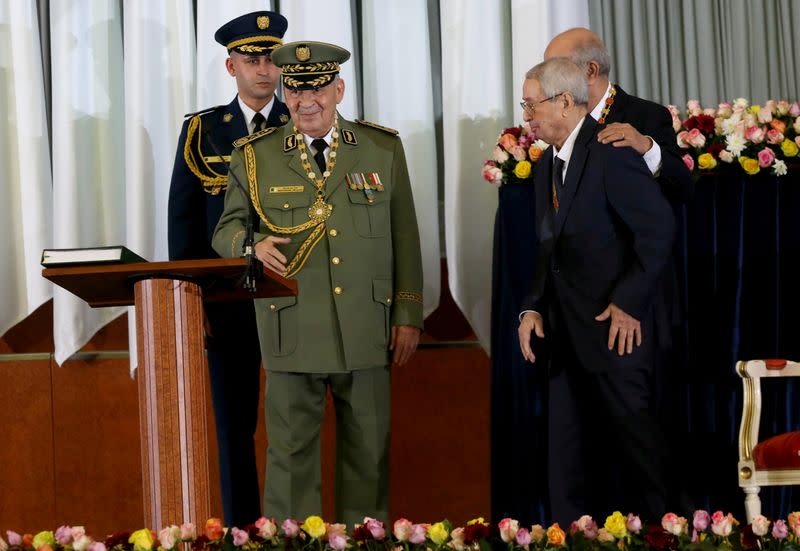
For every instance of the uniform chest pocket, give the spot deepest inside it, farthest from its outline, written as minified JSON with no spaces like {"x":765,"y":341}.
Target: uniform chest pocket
{"x":286,"y":209}
{"x":370,"y":218}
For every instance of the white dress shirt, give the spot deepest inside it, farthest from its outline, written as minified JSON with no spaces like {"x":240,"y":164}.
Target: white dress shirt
{"x":250,"y":113}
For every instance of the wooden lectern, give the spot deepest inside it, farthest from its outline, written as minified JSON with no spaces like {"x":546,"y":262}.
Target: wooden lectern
{"x":172,"y":370}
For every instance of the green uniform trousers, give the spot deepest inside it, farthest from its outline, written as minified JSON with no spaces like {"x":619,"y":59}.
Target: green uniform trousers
{"x":294,"y":407}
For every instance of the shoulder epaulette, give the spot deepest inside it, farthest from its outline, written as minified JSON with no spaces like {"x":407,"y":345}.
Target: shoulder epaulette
{"x":260,"y":134}
{"x":202,"y":111}
{"x":378,"y":126}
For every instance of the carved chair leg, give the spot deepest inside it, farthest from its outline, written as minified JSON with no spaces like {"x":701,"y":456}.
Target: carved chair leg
{"x":752,"y":503}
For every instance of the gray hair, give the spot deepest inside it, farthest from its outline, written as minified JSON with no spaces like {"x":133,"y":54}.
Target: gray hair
{"x":592,"y":50}
{"x":558,"y":75}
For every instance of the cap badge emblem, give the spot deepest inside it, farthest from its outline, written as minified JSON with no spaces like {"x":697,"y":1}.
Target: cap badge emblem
{"x":262,"y":21}
{"x":302,"y":53}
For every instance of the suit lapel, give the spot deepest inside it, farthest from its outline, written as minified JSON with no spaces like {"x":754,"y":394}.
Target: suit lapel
{"x":572,"y":180}
{"x":233,"y":118}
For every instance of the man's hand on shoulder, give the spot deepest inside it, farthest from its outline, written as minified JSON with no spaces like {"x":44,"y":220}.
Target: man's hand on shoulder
{"x":404,"y":343}
{"x":530,"y":322}
{"x":269,"y":255}
{"x":625,"y":329}
{"x":622,"y":134}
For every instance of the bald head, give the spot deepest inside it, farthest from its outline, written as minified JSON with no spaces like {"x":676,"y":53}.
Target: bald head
{"x":582,"y":47}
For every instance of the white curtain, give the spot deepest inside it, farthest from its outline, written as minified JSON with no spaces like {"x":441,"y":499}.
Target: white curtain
{"x":88,"y":149}
{"x":214,"y":85}
{"x":329,"y":21}
{"x":398,"y":92}
{"x":159,"y":89}
{"x":26,"y":208}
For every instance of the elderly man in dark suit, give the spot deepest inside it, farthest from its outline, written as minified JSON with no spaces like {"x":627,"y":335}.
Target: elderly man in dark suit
{"x":196,"y":196}
{"x":605,"y":234}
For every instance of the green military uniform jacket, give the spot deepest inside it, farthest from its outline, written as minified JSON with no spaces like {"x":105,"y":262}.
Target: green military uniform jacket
{"x":364,"y":273}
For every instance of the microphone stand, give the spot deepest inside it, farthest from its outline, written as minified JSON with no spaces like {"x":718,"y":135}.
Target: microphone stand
{"x":252,"y":272}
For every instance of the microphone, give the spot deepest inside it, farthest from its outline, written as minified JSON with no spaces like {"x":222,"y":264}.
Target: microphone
{"x":252,"y":271}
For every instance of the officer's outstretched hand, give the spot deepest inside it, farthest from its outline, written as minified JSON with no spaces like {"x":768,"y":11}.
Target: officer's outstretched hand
{"x":269,"y":255}
{"x":404,"y":342}
{"x":530,"y":322}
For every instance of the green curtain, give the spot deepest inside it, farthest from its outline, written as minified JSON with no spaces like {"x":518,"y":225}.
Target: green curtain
{"x":710,"y":50}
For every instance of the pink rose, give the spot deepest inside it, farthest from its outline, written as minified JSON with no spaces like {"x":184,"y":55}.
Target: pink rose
{"x":538,"y":533}
{"x":797,"y":140}
{"x":693,"y":107}
{"x":375,"y":528}
{"x":499,"y":155}
{"x":633,"y":524}
{"x":605,"y":536}
{"x":457,"y":539}
{"x":782,"y":107}
{"x":755,"y":134}
{"x":78,"y":532}
{"x":523,"y":537}
{"x":779,"y":530}
{"x":700,"y":520}
{"x":97,"y":546}
{"x":676,"y":124}
{"x":82,"y":543}
{"x":696,"y":138}
{"x":796,"y":125}
{"x":507,"y":141}
{"x":240,"y":537}
{"x":519,"y":153}
{"x":166,"y":537}
{"x":724,"y":110}
{"x":492,"y":174}
{"x":750,"y":119}
{"x":188,"y":531}
{"x":290,"y":527}
{"x":710,"y":111}
{"x":760,"y":525}
{"x":770,"y":106}
{"x":673,"y":110}
{"x":13,"y":538}
{"x":63,"y":535}
{"x":418,"y":534}
{"x":774,"y":136}
{"x":722,"y":525}
{"x":766,"y":157}
{"x":337,"y":541}
{"x":402,"y":529}
{"x":726,"y":157}
{"x":266,"y":528}
{"x":688,"y":161}
{"x":587,"y":525}
{"x":508,"y":529}
{"x":794,"y":109}
{"x":674,"y":524}
{"x":683,"y":139}
{"x":764,"y":115}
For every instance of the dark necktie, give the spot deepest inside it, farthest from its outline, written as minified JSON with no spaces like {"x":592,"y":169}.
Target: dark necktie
{"x":259,"y":122}
{"x":558,"y":180}
{"x":320,"y":145}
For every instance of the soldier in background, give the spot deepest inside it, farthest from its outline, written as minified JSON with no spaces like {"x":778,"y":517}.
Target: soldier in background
{"x":196,"y":197}
{"x":336,"y":212}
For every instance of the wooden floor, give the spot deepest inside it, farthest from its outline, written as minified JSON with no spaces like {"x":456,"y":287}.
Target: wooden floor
{"x":70,"y":447}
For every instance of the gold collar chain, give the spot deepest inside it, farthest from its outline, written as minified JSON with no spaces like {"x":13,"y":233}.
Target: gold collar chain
{"x":319,"y":183}
{"x":607,"y":106}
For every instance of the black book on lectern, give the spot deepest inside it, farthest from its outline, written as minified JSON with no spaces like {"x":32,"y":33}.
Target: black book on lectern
{"x":92,"y":255}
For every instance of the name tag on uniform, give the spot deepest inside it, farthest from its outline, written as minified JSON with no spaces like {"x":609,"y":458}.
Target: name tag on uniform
{"x":218,"y":159}
{"x":287,"y":189}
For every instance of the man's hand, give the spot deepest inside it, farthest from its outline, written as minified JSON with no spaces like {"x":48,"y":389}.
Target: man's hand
{"x":404,"y":342}
{"x":269,"y":255}
{"x":531,"y":321}
{"x":624,"y":329}
{"x":622,"y":134}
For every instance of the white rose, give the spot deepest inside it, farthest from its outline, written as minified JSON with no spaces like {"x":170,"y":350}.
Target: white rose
{"x":778,"y":169}
{"x":499,"y":154}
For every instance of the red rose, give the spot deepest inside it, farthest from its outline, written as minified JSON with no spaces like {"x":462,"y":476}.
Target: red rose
{"x":200,"y":542}
{"x":714,"y":149}
{"x":362,"y":533}
{"x":749,"y":539}
{"x":475,"y":532}
{"x":118,"y":539}
{"x":705,"y":123}
{"x":657,"y":538}
{"x":515,"y":131}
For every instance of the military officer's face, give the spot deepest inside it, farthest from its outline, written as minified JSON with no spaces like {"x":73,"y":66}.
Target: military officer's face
{"x":313,"y":111}
{"x":256,"y":78}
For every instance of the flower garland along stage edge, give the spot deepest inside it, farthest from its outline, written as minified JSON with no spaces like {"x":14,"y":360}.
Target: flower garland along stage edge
{"x":702,"y":532}
{"x":734,"y":135}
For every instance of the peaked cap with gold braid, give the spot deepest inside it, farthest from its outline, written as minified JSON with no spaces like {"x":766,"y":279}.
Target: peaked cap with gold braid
{"x":256,"y":33}
{"x":309,"y":65}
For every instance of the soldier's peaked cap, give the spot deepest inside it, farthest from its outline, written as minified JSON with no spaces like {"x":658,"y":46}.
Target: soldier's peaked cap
{"x":307,"y":65}
{"x":256,"y":33}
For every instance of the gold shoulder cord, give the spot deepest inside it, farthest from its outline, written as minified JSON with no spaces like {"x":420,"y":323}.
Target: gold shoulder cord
{"x":308,"y":244}
{"x":211,"y":184}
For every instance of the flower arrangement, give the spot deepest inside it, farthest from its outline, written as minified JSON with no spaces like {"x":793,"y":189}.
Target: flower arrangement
{"x":752,"y":137}
{"x":514,"y":156}
{"x":618,"y":533}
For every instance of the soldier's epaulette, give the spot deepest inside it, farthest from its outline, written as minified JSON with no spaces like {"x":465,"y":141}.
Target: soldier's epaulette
{"x":203,"y":111}
{"x":260,"y":134}
{"x":378,"y":126}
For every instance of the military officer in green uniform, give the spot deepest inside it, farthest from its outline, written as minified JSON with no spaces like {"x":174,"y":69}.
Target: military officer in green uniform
{"x":336,"y":213}
{"x":196,"y":197}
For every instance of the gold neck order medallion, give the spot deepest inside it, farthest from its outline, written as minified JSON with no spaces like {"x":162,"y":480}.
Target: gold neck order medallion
{"x":320,"y":210}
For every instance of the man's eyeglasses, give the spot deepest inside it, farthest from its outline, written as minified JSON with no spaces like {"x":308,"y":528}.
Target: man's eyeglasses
{"x":531,"y":107}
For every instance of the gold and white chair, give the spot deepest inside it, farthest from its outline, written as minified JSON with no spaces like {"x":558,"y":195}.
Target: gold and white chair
{"x":775,"y":461}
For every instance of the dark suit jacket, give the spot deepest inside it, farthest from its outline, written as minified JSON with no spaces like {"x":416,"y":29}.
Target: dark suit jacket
{"x":193,"y":212}
{"x":609,"y":242}
{"x":654,"y":120}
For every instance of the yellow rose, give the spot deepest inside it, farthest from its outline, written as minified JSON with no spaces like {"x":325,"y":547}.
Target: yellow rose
{"x":749,"y":165}
{"x":44,"y":538}
{"x":142,"y":539}
{"x":754,"y":109}
{"x":438,"y":533}
{"x":478,"y":520}
{"x":522,"y":170}
{"x":789,"y":148}
{"x":314,"y":526}
{"x":555,"y":535}
{"x":615,"y":523}
{"x":706,"y":161}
